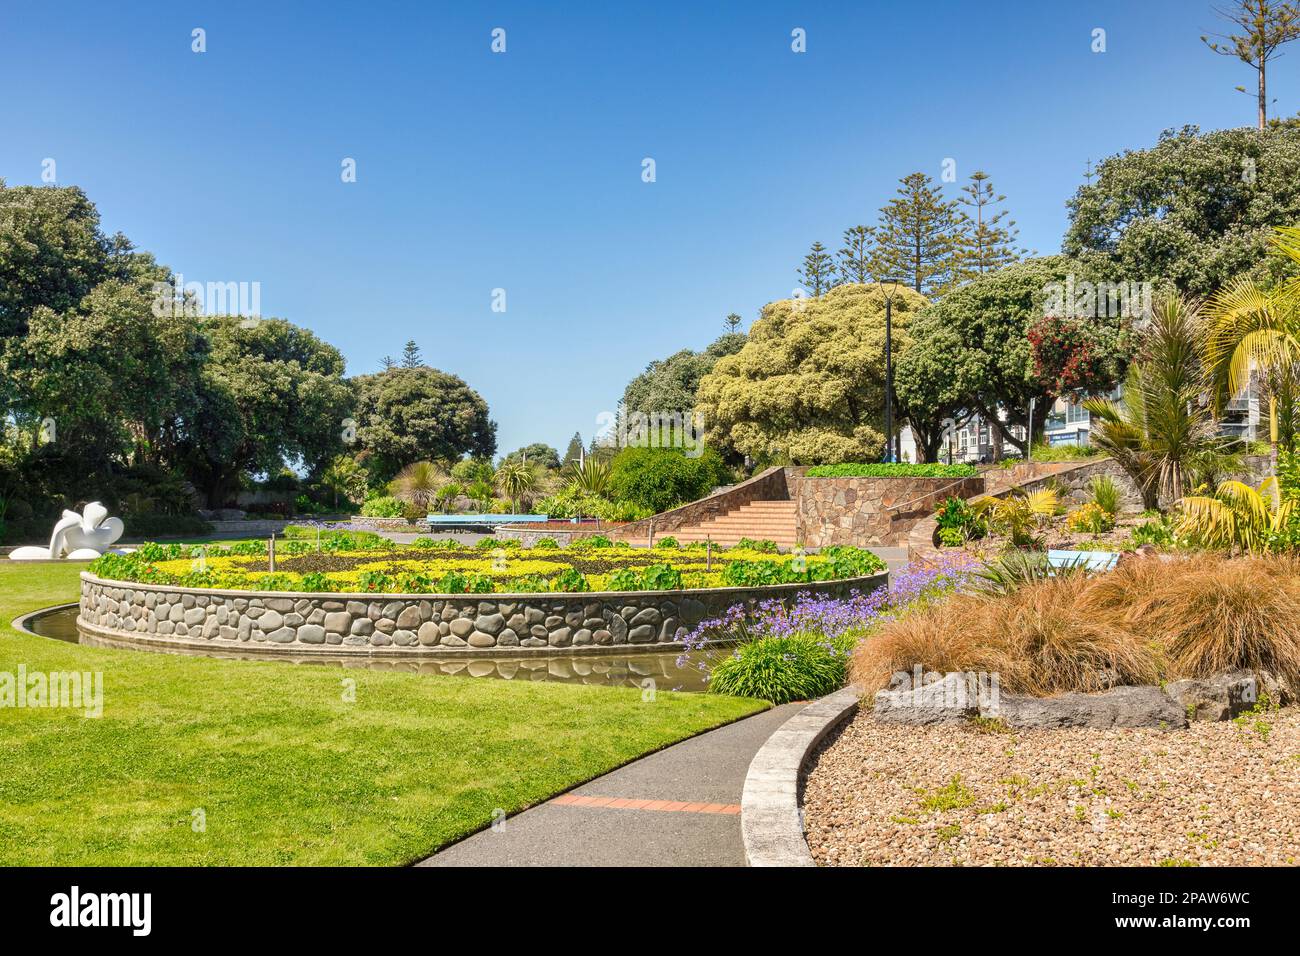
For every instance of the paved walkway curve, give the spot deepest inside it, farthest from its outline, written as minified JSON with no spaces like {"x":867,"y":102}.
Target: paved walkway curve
{"x":677,"y":807}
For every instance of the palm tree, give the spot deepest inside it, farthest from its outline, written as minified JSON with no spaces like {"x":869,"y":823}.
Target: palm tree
{"x":344,"y":476}
{"x":481,"y":492}
{"x":515,"y":479}
{"x":418,"y":483}
{"x":1238,"y":516}
{"x":446,"y":495}
{"x":1161,"y":433}
{"x":1253,"y":328}
{"x":590,"y":476}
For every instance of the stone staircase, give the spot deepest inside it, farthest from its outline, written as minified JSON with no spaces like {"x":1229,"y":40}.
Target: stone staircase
{"x":758,"y":520}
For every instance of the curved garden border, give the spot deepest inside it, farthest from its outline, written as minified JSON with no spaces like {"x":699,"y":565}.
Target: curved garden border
{"x":771,"y":821}
{"x":419,"y":624}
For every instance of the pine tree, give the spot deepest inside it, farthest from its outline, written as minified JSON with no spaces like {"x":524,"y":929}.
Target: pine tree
{"x":1267,"y":25}
{"x":919,"y":237}
{"x":818,"y":270}
{"x":855,"y":257}
{"x":989,"y":243}
{"x":731,"y":323}
{"x":388,"y":362}
{"x":574,"y":451}
{"x":411,"y":355}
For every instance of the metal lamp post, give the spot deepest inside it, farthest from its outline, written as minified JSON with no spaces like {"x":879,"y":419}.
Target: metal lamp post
{"x":890,"y":454}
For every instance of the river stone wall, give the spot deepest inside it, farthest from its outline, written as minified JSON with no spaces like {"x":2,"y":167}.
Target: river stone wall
{"x":417,"y":623}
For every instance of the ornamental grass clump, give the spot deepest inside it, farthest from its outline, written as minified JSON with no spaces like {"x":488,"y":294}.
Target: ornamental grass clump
{"x":781,"y":669}
{"x":1147,"y":621}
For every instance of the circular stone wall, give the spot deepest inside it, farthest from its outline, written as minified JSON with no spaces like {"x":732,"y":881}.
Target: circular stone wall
{"x":418,"y":624}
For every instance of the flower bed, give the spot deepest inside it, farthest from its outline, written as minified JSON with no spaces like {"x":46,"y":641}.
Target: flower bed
{"x":368,"y":564}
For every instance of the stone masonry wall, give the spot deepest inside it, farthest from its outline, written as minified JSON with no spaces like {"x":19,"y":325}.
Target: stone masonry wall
{"x":379,"y":623}
{"x":869,"y":511}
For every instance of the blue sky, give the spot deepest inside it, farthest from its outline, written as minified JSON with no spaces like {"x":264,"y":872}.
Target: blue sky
{"x":522,"y":170}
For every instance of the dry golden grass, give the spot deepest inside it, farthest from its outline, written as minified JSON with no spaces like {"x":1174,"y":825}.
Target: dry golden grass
{"x":1145,"y":621}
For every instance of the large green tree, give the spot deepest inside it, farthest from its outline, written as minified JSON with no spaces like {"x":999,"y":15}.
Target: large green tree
{"x":269,"y":394}
{"x":669,"y":385}
{"x":808,"y":386}
{"x":989,"y":237}
{"x":414,"y":414}
{"x":1196,"y":209}
{"x":971,"y":349}
{"x":919,"y":239}
{"x":817,"y":271}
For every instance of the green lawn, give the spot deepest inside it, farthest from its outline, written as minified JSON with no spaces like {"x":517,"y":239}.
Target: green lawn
{"x":283,"y":769}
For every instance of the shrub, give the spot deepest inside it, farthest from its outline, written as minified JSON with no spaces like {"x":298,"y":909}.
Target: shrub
{"x":667,"y":541}
{"x":1019,"y":516}
{"x":896,"y":470}
{"x":528,"y":584}
{"x":547,"y":544}
{"x":952,"y":537}
{"x":1155,"y":532}
{"x":385,"y":506}
{"x":315,"y":581}
{"x":748,"y":574}
{"x":1105,"y":494}
{"x":1051,"y":453}
{"x":572,"y":580}
{"x":624,"y":579}
{"x":844,"y":561}
{"x":749,"y":544}
{"x":376,"y":581}
{"x":961,"y":522}
{"x":594,"y":541}
{"x":661,"y":577}
{"x":780,"y":669}
{"x":1090,"y":518}
{"x":661,"y":478}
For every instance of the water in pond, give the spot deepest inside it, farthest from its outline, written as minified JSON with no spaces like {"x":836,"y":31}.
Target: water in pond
{"x":608,"y":670}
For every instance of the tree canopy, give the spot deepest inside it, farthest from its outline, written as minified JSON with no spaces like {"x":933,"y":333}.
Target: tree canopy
{"x":670,"y":384}
{"x":406,"y":415}
{"x":808,"y":385}
{"x":1195,"y":210}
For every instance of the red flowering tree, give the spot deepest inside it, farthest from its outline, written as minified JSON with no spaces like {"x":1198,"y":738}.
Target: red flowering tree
{"x":1075,"y":356}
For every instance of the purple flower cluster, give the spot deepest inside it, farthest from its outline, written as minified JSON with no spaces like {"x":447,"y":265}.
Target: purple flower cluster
{"x":831,"y":618}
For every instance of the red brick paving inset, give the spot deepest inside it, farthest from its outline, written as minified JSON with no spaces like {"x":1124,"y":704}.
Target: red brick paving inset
{"x":628,"y":803}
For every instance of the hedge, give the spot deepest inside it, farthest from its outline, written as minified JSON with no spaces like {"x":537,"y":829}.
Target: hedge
{"x":882,"y":470}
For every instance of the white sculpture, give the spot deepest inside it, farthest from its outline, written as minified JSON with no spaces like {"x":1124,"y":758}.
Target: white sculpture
{"x":77,"y":537}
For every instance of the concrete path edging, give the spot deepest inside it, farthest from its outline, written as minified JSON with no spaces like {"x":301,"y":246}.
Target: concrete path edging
{"x":771,"y":823}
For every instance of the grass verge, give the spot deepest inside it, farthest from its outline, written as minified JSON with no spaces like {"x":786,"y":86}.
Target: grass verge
{"x":278,"y":766}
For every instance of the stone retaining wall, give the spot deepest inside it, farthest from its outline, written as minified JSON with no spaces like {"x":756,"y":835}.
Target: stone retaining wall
{"x":417,"y":623}
{"x":868,"y":511}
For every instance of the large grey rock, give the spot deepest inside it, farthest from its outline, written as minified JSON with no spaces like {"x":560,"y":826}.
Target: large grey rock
{"x":409,"y":618}
{"x":462,"y":627}
{"x":338,"y":622}
{"x":429,"y":633}
{"x":311,"y":634}
{"x":945,"y":700}
{"x":490,"y":623}
{"x":1144,"y":706}
{"x":1221,"y":697}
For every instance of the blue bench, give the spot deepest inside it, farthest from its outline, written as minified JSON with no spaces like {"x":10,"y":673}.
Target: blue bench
{"x":442,"y":520}
{"x":1089,"y":560}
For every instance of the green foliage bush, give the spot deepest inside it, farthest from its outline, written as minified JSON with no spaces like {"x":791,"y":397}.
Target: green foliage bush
{"x":547,"y":544}
{"x":571,"y":580}
{"x":667,"y":541}
{"x":749,"y":544}
{"x":781,"y":669}
{"x":384,"y":506}
{"x":959,"y":522}
{"x":662,"y":478}
{"x":887,"y":470}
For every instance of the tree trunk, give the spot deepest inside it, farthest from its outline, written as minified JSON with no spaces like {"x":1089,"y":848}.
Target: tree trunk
{"x":1263,"y":98}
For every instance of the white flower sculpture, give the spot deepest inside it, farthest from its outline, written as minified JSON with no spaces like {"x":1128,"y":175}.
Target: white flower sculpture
{"x":77,"y":537}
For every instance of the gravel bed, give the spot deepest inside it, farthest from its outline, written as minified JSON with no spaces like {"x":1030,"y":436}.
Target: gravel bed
{"x":1223,"y":793}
